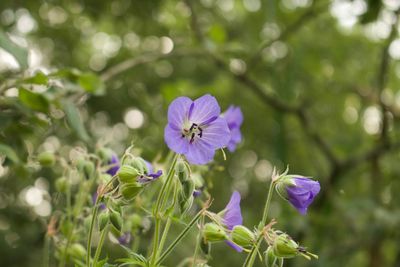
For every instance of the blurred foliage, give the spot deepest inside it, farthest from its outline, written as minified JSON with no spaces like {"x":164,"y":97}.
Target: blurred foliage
{"x":317,"y":82}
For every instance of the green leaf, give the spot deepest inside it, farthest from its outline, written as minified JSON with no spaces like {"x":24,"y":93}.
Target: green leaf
{"x":38,"y":78}
{"x":75,"y":121}
{"x":91,"y":83}
{"x":19,"y":53}
{"x":9,"y":153}
{"x":33,"y":100}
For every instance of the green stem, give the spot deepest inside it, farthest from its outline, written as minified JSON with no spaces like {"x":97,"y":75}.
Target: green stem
{"x":198,"y":240}
{"x":160,"y":200}
{"x":252,"y":255}
{"x":94,"y":215}
{"x":164,"y":236}
{"x":179,"y":238}
{"x":100,"y":245}
{"x":46,"y":251}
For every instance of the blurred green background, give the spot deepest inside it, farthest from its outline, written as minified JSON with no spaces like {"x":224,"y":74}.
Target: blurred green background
{"x":317,"y":81}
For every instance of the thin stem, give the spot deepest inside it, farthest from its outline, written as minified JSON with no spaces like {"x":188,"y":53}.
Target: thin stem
{"x":252,"y":255}
{"x":179,"y":238}
{"x":159,"y":202}
{"x":198,"y":239}
{"x":100,"y":245}
{"x":165,"y":234}
{"x":94,"y":215}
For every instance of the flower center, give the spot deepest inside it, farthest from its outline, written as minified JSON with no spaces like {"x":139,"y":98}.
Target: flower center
{"x":192,"y":132}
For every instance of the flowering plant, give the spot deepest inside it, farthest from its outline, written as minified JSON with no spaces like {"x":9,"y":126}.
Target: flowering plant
{"x":134,"y":198}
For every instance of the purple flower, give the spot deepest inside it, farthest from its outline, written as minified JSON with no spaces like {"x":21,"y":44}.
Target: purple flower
{"x":234,"y":118}
{"x":195,"y":128}
{"x":301,"y":191}
{"x":114,"y":165}
{"x":149,"y":176}
{"x":232,"y":216}
{"x":125,"y":239}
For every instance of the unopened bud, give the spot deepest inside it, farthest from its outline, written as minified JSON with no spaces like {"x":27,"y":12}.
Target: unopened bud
{"x":242,"y":236}
{"x":103,"y":220}
{"x":140,"y":165}
{"x":62,"y":184}
{"x":86,"y":167}
{"x":77,"y":251}
{"x":185,"y":203}
{"x":130,"y":190}
{"x":213,"y":232}
{"x":182,"y":170}
{"x":46,"y":159}
{"x":187,"y":188}
{"x":127,"y":174}
{"x":285,"y":247}
{"x":116,"y":220}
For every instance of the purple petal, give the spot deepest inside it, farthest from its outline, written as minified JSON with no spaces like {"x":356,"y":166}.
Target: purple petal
{"x":303,"y":193}
{"x":233,"y":214}
{"x":149,"y":166}
{"x":114,"y":165}
{"x":178,"y":111}
{"x":216,"y":134}
{"x":236,"y":138}
{"x":234,"y":246}
{"x":205,"y":109}
{"x":125,"y":239}
{"x":233,"y":116}
{"x":200,"y":152}
{"x":155,"y":175}
{"x":175,"y":141}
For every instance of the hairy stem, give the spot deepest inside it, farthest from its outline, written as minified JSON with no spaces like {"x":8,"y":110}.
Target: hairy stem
{"x":100,"y":245}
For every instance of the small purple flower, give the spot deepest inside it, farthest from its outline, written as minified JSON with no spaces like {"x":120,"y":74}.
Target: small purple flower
{"x":195,"y":128}
{"x":232,"y":216}
{"x":150,"y":176}
{"x":234,"y":118}
{"x":114,"y":165}
{"x":125,"y":239}
{"x":300,"y":191}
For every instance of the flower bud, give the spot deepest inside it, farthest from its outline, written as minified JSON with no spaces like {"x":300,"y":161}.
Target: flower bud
{"x":116,"y":220}
{"x":127,"y":174}
{"x":77,"y":251}
{"x":136,"y":221}
{"x":285,"y":247}
{"x":62,"y":184}
{"x":104,"y":154}
{"x":86,"y":167}
{"x":242,"y":236}
{"x":185,"y":203}
{"x":182,"y":170}
{"x":103,"y":220}
{"x":105,"y":178}
{"x":213,"y":232}
{"x":300,"y":191}
{"x":187,"y":189}
{"x":46,"y":159}
{"x":130,"y":190}
{"x":140,"y":165}
{"x":270,"y":259}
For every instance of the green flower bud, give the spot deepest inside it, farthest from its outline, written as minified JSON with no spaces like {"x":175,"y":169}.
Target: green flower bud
{"x":127,"y":174}
{"x":282,"y":183}
{"x":140,"y":165}
{"x":213,"y":232}
{"x":46,"y":159}
{"x":136,"y":221}
{"x":105,"y":178}
{"x":187,"y":189}
{"x":182,"y":170}
{"x":62,"y":184}
{"x":103,"y":220}
{"x":77,"y":251}
{"x":185,"y":203}
{"x":116,"y":220}
{"x":285,"y":247}
{"x":270,"y":260}
{"x":130,"y":191}
{"x":86,"y":167}
{"x":104,"y":154}
{"x":242,"y":236}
